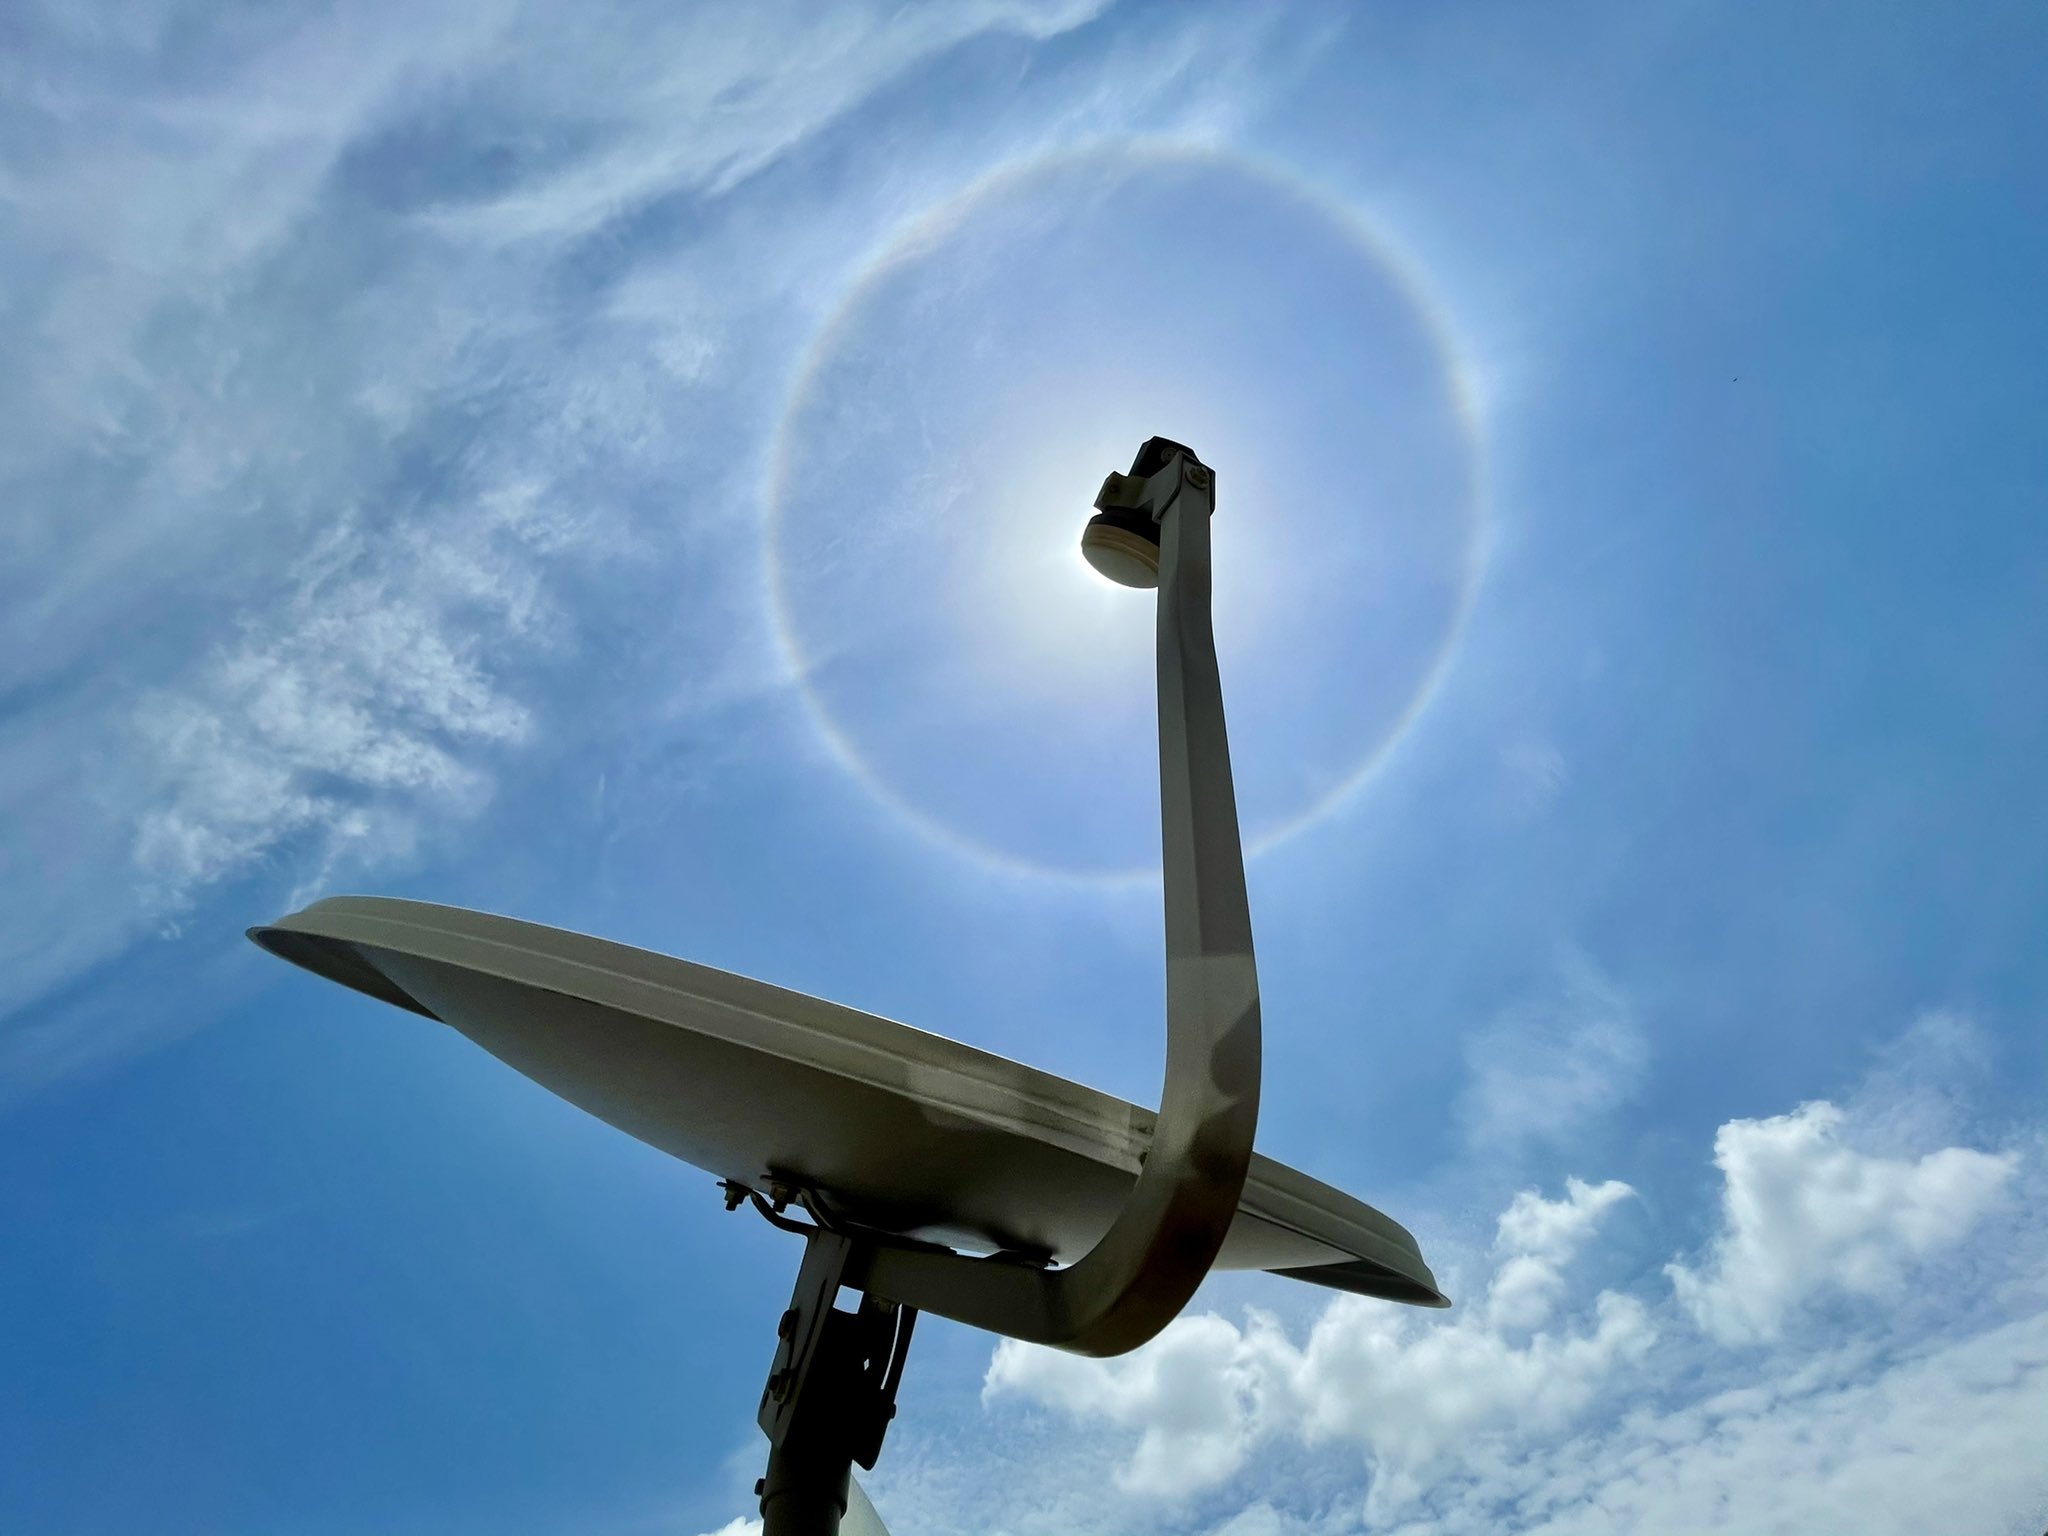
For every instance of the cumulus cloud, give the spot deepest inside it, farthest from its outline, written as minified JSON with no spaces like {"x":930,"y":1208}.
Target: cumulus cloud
{"x":1198,"y":1396}
{"x":1404,"y":1388}
{"x":1948,"y":1435}
{"x":1952,"y":1436}
{"x":1804,"y":1213}
{"x":1547,"y":1405}
{"x":1414,"y":1392}
{"x":1537,"y":1237}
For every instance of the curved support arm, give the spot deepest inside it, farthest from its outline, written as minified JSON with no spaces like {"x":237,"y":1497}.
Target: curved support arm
{"x":1136,"y":1279}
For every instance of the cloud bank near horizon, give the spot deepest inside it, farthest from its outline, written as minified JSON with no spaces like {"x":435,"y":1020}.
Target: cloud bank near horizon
{"x":1855,"y":1312}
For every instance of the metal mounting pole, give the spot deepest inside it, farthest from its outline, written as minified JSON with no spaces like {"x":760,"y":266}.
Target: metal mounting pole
{"x":1142,"y":1271}
{"x":831,"y":1392}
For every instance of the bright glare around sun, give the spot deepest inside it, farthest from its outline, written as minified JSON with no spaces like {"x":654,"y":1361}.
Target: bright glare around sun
{"x":942,"y":452}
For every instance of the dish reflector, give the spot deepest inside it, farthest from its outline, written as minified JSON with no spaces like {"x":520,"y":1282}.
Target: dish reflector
{"x":891,"y":1127}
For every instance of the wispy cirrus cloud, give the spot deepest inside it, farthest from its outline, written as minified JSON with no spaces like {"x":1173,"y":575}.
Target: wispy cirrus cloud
{"x":326,"y":430}
{"x":333,"y":716}
{"x":1543,"y":1070}
{"x":647,"y":128}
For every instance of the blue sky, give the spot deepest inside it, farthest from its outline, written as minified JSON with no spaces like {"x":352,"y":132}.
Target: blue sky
{"x":621,"y":467}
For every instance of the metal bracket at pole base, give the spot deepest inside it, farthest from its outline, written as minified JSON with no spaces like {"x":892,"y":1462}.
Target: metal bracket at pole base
{"x":831,"y":1391}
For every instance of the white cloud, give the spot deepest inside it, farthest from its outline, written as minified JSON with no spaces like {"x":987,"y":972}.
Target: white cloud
{"x":1416,"y":1393}
{"x":342,"y":712}
{"x":738,"y":1526}
{"x":1803,"y":1213}
{"x":305,"y":479}
{"x":1405,"y":1387}
{"x":696,"y":103}
{"x":1949,"y":1435}
{"x":1952,"y":1437}
{"x":366,"y":390}
{"x":1547,"y":1406}
{"x":1541,"y":1072}
{"x":1536,"y":1239}
{"x":1536,"y":774}
{"x":1260,"y":1519}
{"x":1198,"y":1396}
{"x":1921,"y":1085}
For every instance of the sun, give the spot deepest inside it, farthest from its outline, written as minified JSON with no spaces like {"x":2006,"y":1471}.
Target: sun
{"x":941,"y":449}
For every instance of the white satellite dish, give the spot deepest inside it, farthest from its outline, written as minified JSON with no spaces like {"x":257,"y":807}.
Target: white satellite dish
{"x":935,"y":1176}
{"x":885,"y":1127}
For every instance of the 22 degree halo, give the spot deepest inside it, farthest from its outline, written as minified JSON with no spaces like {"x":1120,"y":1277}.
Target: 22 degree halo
{"x":935,"y":459}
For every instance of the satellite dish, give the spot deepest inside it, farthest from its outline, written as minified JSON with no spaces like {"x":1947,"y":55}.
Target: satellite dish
{"x":884,"y":1127}
{"x":933,"y":1176}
